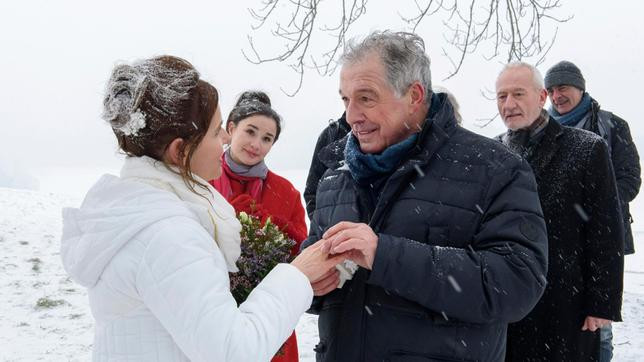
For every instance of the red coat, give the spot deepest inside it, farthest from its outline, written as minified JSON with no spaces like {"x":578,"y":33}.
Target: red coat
{"x":280,"y":201}
{"x":277,"y":199}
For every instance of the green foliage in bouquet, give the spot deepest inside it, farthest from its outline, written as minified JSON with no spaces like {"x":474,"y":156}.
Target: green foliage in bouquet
{"x":262,"y":247}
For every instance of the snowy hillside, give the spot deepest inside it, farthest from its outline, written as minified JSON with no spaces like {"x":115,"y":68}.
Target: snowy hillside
{"x":45,"y":317}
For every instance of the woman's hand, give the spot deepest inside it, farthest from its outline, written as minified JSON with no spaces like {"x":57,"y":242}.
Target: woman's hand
{"x":243,"y":202}
{"x":317,"y":264}
{"x":326,"y":283}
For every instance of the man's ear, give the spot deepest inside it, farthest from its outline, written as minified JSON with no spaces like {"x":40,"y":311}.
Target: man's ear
{"x":543,"y":95}
{"x":173,"y":154}
{"x":417,"y":95}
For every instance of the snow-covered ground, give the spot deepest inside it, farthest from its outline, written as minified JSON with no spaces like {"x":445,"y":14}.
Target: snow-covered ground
{"x":45,"y":317}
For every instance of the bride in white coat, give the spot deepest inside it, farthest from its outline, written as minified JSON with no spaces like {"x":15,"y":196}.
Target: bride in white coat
{"x":154,"y":246}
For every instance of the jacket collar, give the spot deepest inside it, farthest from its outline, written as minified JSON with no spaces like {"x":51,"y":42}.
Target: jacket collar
{"x":437,"y":128}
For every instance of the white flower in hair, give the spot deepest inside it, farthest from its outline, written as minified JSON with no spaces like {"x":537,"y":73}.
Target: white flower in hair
{"x":136,"y":123}
{"x":164,"y":86}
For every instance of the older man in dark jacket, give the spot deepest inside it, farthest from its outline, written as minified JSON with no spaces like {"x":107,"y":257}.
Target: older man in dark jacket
{"x":585,"y":237}
{"x":573,"y":106}
{"x":445,"y":225}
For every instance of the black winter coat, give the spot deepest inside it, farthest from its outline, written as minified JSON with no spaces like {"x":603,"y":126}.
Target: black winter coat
{"x":578,"y":196}
{"x":334,"y":131}
{"x":461,"y":251}
{"x":626,"y":162}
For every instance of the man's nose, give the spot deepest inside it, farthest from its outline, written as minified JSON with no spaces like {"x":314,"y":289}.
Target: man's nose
{"x":509,"y":102}
{"x":354,"y":114}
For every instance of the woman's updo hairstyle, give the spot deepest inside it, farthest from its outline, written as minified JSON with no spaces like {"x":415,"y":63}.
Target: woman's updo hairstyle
{"x":253,"y":103}
{"x":151,"y":102}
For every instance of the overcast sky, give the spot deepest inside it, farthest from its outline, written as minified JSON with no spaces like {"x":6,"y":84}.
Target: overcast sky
{"x":57,"y":56}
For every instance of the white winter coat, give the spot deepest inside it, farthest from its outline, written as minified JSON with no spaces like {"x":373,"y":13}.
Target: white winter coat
{"x":158,"y":282}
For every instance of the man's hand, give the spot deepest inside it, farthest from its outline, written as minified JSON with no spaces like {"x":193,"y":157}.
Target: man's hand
{"x":593,"y":323}
{"x":356,"y":239}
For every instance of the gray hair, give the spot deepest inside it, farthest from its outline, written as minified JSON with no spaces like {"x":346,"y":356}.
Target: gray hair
{"x":402,"y":54}
{"x":537,"y":79}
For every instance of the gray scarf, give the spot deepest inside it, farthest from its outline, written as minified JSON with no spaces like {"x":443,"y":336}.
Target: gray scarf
{"x":258,"y":170}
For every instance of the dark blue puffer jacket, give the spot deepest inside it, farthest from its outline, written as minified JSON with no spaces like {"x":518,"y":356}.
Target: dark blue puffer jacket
{"x":462,"y":251}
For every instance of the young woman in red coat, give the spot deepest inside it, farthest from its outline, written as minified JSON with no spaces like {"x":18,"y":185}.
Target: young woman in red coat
{"x":248,"y":184}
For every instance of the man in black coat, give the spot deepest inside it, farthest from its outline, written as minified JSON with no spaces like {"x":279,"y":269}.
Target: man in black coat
{"x":445,"y":225}
{"x":573,"y":106}
{"x":585,"y":234}
{"x":334,"y":131}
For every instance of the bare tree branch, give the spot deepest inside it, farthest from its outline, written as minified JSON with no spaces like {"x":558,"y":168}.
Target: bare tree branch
{"x":484,"y":122}
{"x":512,"y":29}
{"x":298,"y":33}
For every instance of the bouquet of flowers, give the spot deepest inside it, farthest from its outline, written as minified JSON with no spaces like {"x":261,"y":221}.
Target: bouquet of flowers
{"x":262,"y":247}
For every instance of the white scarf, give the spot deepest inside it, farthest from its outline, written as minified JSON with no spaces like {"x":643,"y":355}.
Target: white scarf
{"x":215,"y":214}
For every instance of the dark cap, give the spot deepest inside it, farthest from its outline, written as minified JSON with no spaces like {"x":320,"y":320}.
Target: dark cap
{"x":565,"y":73}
